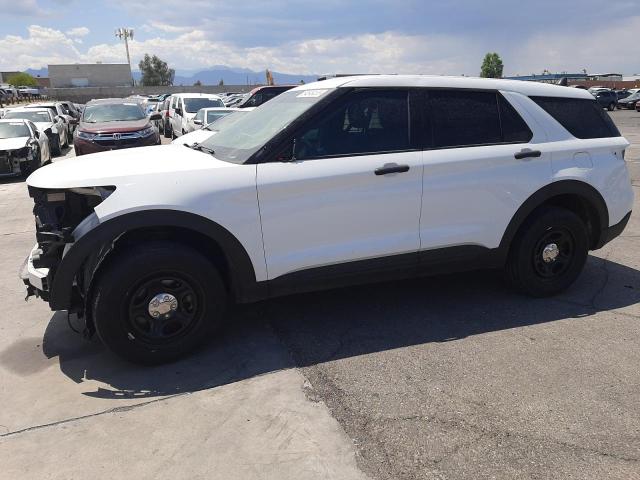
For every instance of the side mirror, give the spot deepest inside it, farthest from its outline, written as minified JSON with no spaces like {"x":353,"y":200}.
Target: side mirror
{"x":37,"y":134}
{"x":178,"y":111}
{"x":197,"y":122}
{"x":155,"y":116}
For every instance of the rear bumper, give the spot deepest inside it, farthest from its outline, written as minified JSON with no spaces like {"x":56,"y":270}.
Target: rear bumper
{"x":613,"y":231}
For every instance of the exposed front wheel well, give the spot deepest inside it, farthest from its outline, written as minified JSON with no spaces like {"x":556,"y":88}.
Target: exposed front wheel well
{"x":191,"y":238}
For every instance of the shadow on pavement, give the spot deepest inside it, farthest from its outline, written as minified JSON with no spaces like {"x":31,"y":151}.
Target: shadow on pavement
{"x":326,"y":326}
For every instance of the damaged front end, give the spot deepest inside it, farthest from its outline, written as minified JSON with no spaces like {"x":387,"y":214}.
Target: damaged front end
{"x":62,"y":216}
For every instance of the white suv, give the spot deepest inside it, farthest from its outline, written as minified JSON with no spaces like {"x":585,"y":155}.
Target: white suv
{"x":184,"y":106}
{"x":342,"y":181}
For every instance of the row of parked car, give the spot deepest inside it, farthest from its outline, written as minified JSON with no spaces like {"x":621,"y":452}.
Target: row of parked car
{"x":31,"y":135}
{"x":612,"y":99}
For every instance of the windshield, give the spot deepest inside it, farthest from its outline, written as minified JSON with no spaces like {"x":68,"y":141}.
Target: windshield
{"x":192,"y":105}
{"x":32,"y":116}
{"x":213,"y":115}
{"x":14,"y":130}
{"x":633,"y":96}
{"x":239,"y":140}
{"x":225,"y":121}
{"x":112,"y":112}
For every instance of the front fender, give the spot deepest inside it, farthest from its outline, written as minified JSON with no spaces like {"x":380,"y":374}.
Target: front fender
{"x":241,"y":269}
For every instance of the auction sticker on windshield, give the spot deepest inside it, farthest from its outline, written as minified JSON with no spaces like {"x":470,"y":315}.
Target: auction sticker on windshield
{"x":311,"y":93}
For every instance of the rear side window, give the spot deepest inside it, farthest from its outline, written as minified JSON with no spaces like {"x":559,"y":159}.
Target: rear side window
{"x":583,"y":118}
{"x":464,"y":118}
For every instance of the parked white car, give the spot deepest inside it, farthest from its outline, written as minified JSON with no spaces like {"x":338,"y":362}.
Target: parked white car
{"x":347,"y":180}
{"x":205,"y":116}
{"x":59,"y":110}
{"x":52,"y":126}
{"x":184,"y":106}
{"x":201,"y":134}
{"x":23,"y":148}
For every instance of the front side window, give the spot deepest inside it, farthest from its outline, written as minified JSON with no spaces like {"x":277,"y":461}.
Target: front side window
{"x":246,"y":134}
{"x":363,"y":122}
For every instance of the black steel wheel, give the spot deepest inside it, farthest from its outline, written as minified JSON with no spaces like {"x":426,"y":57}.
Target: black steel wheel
{"x":158,"y":301}
{"x":548,"y":252}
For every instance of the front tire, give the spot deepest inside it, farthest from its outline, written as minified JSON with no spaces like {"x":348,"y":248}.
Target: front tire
{"x":157,"y":302}
{"x":612,"y":107}
{"x":548,"y":253}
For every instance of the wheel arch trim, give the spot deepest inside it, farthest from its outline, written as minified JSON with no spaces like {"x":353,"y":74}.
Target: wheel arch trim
{"x":556,"y":189}
{"x":241,"y":268}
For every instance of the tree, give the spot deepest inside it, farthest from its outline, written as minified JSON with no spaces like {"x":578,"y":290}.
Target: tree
{"x":197,"y":84}
{"x":491,"y":66}
{"x":155,"y":72}
{"x":221,"y":83}
{"x":22,"y":79}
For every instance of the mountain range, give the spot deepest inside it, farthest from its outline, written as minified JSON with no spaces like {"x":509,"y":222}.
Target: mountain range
{"x":213,"y":75}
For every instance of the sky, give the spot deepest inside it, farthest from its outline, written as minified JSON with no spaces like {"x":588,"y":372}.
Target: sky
{"x":328,"y":36}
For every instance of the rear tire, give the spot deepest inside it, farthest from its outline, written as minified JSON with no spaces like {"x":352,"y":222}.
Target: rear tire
{"x":168,"y":131}
{"x":612,"y":107}
{"x":192,"y":302}
{"x":548,"y":252}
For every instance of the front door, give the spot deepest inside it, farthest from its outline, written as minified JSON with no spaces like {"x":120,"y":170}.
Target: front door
{"x":352,"y":192}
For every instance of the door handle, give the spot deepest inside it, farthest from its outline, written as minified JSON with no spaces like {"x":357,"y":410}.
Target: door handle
{"x":388,"y":168}
{"x":527,"y":153}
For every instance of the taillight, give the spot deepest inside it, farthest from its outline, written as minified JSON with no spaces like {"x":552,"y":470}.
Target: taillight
{"x":166,"y":114}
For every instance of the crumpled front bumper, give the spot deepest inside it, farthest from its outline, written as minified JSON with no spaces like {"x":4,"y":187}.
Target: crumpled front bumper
{"x":36,"y":280}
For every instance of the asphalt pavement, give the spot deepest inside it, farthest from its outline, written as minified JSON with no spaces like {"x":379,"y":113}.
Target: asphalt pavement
{"x":450,"y":377}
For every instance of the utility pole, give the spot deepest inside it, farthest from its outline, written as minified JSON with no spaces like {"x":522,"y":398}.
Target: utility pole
{"x":126,"y":33}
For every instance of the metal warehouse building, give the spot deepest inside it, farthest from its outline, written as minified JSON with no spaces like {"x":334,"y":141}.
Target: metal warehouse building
{"x":90,"y":75}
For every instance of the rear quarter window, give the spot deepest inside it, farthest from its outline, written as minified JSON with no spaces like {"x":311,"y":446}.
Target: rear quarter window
{"x":582,"y":118}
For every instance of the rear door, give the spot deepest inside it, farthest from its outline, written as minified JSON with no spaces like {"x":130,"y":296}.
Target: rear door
{"x":481,"y":162}
{"x":352,"y":193}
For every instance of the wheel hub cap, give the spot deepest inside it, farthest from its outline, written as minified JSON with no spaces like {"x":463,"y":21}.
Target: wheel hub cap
{"x":550,"y":253}
{"x":162,"y":306}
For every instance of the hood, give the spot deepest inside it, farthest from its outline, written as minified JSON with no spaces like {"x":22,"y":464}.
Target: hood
{"x":13,"y":143}
{"x":123,"y":166}
{"x":114,"y":127}
{"x":197,"y":136}
{"x":42,"y":126}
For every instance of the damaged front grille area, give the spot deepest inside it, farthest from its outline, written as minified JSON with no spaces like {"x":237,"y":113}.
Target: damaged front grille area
{"x":57,"y":213}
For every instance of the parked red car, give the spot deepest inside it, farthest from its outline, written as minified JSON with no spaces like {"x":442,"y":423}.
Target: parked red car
{"x":114,"y":123}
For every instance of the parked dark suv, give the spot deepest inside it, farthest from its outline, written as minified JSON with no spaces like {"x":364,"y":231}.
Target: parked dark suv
{"x":114,"y":123}
{"x":606,"y":99}
{"x":260,"y":95}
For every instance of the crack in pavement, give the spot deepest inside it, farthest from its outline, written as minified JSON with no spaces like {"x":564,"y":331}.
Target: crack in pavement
{"x":125,"y":408}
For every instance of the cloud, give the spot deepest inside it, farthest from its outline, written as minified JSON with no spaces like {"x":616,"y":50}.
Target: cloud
{"x":78,"y":32}
{"x":607,"y":49}
{"x":194,"y":47}
{"x":41,"y":47}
